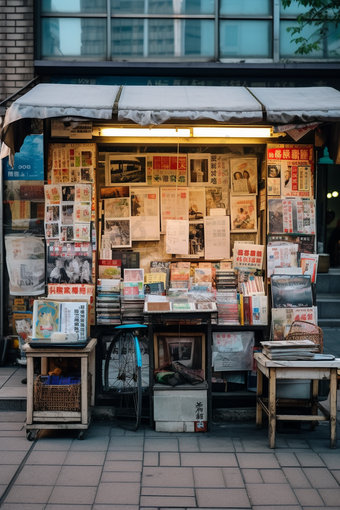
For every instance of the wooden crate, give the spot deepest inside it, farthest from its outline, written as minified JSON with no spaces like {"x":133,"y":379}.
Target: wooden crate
{"x":49,"y":397}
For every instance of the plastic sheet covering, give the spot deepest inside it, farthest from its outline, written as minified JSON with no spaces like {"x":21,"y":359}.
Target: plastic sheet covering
{"x":233,"y":351}
{"x":156,"y":105}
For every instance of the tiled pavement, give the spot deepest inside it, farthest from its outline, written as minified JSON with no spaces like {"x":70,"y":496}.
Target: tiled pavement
{"x":111,"y":469}
{"x":229,"y":467}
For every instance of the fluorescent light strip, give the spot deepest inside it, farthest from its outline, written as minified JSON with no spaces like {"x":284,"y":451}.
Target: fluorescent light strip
{"x":219,"y":132}
{"x":197,"y":132}
{"x":145,"y":132}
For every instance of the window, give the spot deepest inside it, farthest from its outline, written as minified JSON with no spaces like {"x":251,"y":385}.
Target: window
{"x":162,"y":38}
{"x":246,"y":7}
{"x":245,"y":39}
{"x":162,"y":7}
{"x":73,"y":6}
{"x":173,"y":30}
{"x":73,"y":37}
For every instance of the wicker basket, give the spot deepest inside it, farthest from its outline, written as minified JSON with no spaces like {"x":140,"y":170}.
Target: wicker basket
{"x":303,"y":330}
{"x":49,"y":397}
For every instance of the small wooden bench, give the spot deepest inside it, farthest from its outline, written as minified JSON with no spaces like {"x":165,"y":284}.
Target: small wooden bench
{"x":313,"y":370}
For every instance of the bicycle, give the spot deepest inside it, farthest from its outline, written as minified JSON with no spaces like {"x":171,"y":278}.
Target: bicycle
{"x":123,"y":375}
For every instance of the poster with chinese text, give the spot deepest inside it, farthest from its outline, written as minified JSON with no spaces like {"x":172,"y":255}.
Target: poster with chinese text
{"x":248,"y":255}
{"x":167,"y":169}
{"x":296,"y":164}
{"x":174,"y":205}
{"x":145,"y":220}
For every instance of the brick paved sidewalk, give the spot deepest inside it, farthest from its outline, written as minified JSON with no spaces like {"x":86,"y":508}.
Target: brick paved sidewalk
{"x":111,"y":469}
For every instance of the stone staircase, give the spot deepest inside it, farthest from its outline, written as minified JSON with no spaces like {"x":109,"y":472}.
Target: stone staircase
{"x":328,"y":298}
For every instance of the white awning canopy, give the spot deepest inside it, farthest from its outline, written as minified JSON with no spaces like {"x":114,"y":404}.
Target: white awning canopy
{"x":46,"y":101}
{"x":303,"y":104}
{"x":154,"y":105}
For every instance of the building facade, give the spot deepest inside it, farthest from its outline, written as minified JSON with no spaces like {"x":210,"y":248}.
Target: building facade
{"x":177,"y":42}
{"x":158,"y":43}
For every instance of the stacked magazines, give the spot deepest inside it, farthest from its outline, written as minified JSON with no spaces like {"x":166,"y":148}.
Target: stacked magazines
{"x":108,"y":302}
{"x":289,"y":349}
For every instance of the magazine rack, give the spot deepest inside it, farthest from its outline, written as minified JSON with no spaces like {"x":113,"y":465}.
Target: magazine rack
{"x":303,"y":330}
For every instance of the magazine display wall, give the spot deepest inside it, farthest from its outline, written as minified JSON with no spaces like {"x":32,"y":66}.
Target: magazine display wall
{"x":182,"y":230}
{"x":70,"y":222}
{"x":174,"y":216}
{"x":291,"y":258}
{"x":181,"y":215}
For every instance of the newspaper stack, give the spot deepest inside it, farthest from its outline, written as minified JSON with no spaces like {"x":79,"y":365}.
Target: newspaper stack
{"x":289,"y":350}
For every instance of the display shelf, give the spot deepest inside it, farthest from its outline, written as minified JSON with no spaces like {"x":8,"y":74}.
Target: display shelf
{"x":158,"y":322}
{"x":185,"y":322}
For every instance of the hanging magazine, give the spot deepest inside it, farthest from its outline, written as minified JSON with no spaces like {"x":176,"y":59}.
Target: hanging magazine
{"x":291,"y":291}
{"x":309,"y":264}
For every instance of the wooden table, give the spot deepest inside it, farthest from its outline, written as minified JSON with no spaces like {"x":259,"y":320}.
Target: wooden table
{"x":36,"y":420}
{"x":313,"y":370}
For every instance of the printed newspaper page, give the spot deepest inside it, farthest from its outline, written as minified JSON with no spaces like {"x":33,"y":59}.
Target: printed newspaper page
{"x":25,"y":258}
{"x":217,"y":237}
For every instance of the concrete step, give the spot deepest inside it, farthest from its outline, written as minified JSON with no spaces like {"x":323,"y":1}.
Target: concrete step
{"x":328,"y":297}
{"x":329,"y":323}
{"x":328,"y":282}
{"x":328,"y":306}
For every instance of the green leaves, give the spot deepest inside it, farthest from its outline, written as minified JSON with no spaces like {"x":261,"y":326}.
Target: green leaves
{"x":321,"y":15}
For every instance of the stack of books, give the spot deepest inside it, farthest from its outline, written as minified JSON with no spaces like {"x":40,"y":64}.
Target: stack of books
{"x":108,"y":301}
{"x":303,"y":350}
{"x":108,"y":292}
{"x":227,"y":307}
{"x":132,"y":299}
{"x":226,"y":297}
{"x":226,"y":279}
{"x":132,"y":310}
